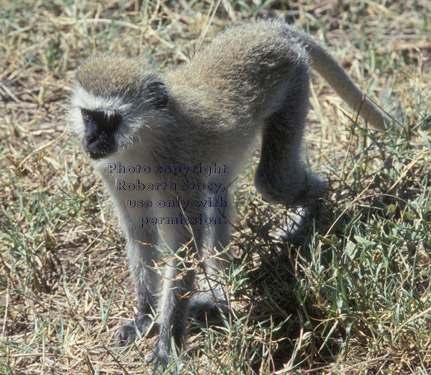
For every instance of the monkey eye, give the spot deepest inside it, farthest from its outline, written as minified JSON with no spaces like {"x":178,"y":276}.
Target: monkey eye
{"x":86,"y":116}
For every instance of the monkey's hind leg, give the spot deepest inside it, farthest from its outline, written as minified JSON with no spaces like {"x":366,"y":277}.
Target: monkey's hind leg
{"x":281,"y":176}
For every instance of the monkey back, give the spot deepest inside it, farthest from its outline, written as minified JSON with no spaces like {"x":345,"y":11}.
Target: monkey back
{"x":245,"y":64}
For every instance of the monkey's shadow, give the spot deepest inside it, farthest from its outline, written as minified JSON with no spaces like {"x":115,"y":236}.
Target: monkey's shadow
{"x":290,"y":286}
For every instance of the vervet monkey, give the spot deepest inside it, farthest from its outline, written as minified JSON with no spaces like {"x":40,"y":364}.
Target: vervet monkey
{"x":251,"y":81}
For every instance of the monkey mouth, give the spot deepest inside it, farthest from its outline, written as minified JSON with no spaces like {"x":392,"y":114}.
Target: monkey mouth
{"x":97,"y":155}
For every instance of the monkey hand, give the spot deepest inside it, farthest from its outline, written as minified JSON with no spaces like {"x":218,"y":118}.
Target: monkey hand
{"x":159,"y":355}
{"x":206,"y":310}
{"x":129,"y":331}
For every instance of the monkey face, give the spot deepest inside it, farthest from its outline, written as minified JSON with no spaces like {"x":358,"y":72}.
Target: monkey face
{"x":113,"y":111}
{"x":100,"y":133}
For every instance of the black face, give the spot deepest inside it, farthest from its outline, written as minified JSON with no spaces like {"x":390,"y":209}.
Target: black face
{"x":100,"y":129}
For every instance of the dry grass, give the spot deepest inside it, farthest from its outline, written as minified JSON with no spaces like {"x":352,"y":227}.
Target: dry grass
{"x":354,"y":300}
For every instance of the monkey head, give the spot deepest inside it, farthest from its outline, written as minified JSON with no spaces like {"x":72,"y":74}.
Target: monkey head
{"x":114,"y":99}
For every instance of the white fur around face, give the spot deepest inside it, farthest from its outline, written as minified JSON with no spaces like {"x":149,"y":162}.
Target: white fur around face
{"x":83,"y":99}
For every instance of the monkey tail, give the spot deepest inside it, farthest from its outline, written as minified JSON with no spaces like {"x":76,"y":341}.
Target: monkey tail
{"x":343,"y":85}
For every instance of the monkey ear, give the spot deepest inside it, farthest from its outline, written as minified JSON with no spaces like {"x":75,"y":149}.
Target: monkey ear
{"x":157,"y":94}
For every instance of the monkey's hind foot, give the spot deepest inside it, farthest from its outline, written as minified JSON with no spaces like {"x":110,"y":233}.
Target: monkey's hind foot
{"x":295,"y":231}
{"x":298,"y":189}
{"x":129,"y":331}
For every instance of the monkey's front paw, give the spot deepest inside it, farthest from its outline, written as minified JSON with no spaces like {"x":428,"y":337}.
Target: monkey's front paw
{"x":159,"y":355}
{"x":208,"y":311}
{"x":129,"y":331}
{"x":126,"y":335}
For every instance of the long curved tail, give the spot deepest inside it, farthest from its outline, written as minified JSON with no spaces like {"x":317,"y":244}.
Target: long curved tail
{"x":343,"y":85}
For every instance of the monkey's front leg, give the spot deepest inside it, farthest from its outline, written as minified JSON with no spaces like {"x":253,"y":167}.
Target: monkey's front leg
{"x":142,"y":261}
{"x":177,"y":282}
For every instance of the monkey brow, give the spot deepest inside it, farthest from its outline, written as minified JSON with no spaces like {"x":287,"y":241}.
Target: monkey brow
{"x":100,"y":113}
